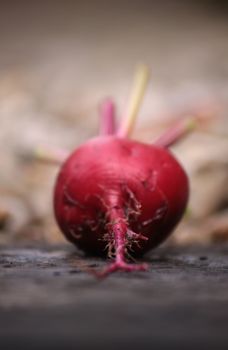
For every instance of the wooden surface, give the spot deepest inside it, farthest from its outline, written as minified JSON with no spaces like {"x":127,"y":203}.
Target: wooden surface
{"x":48,"y":301}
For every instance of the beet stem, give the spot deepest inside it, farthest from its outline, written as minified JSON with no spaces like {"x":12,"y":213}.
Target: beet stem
{"x":138,"y":90}
{"x":49,"y":155}
{"x":177,"y":132}
{"x":107,"y":118}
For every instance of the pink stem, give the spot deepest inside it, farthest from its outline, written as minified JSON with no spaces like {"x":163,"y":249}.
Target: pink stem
{"x":107,"y":118}
{"x":177,"y":132}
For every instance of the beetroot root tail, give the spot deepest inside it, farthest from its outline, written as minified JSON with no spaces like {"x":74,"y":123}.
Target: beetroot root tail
{"x":120,"y":266}
{"x":120,"y":236}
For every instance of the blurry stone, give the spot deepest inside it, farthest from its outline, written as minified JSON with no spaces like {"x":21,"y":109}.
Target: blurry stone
{"x":206,"y":159}
{"x":16,"y":213}
{"x":52,"y":85}
{"x":213,"y":229}
{"x":4,"y":218}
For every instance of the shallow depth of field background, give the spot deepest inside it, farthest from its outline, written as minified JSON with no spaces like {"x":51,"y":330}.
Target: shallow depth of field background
{"x":59,"y":59}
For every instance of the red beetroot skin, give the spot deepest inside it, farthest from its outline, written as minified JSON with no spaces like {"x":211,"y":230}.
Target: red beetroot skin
{"x":112,"y":186}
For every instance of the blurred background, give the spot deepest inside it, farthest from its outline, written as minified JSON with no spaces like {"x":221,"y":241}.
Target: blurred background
{"x":60,"y":59}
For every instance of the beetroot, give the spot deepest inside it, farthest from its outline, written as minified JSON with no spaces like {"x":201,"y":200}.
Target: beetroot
{"x":120,"y":198}
{"x":119,"y":195}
